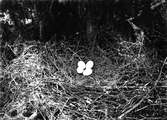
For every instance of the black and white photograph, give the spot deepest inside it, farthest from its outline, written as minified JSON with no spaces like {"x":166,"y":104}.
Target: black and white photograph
{"x":83,"y":60}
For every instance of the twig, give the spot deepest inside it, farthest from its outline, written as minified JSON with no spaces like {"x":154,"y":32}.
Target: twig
{"x":122,"y":115}
{"x":40,"y":29}
{"x":154,"y":5}
{"x":51,"y":5}
{"x":159,"y":76}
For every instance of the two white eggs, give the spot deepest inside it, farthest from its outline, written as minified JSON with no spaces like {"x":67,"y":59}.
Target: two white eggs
{"x":85,"y":69}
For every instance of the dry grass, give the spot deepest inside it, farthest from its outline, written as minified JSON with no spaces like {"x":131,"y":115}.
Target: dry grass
{"x":50,"y":74}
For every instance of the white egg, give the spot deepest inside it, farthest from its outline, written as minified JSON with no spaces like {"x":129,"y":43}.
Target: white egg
{"x":80,"y":70}
{"x":89,"y":64}
{"x":87,"y":72}
{"x":81,"y":64}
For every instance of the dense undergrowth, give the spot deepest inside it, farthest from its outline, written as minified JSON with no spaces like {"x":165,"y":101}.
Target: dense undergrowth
{"x":43,"y":81}
{"x":39,"y":81}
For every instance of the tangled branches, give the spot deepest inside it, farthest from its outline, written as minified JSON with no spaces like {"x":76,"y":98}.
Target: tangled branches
{"x":40,"y":81}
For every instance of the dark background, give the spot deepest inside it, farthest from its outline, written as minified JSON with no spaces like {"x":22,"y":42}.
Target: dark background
{"x":57,"y":21}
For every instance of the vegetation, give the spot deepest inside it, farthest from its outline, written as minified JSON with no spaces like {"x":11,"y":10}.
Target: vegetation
{"x":38,"y":76}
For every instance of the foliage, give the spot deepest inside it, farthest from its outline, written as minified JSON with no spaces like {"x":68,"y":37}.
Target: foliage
{"x":40,"y":81}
